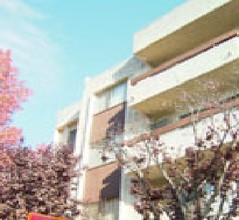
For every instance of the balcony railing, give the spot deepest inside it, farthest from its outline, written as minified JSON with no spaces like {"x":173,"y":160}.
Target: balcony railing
{"x":186,"y":119}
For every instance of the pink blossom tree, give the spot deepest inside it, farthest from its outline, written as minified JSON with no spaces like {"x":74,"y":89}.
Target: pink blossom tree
{"x":40,"y":180}
{"x":13,"y":93}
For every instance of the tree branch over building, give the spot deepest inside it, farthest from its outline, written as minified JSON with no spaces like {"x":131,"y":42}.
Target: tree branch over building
{"x":197,"y":180}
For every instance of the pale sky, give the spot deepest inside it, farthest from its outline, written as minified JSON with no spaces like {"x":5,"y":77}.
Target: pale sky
{"x":57,"y":43}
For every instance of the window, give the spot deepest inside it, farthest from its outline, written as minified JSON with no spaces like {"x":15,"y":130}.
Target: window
{"x":102,"y":101}
{"x":72,"y":138}
{"x":117,"y":94}
{"x":111,"y":97}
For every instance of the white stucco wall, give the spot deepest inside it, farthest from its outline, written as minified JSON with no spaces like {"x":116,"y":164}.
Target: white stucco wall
{"x":91,"y":157}
{"x":67,"y":119}
{"x":126,"y":206}
{"x":68,"y":114}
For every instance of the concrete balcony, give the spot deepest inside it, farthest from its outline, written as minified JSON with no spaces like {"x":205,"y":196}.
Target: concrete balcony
{"x":216,"y":60}
{"x":180,"y":132}
{"x":186,"y":27}
{"x":68,"y":116}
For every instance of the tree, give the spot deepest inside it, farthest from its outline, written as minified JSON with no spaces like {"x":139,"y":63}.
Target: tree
{"x":12,"y":94}
{"x":41,"y":180}
{"x":200,"y":180}
{"x":37,"y":181}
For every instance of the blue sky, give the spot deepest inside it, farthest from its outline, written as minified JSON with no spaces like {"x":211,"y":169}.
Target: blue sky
{"x":57,"y":43}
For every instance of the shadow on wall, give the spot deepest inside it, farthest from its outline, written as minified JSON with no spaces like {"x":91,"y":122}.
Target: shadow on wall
{"x":111,"y":185}
{"x":103,"y":192}
{"x":106,"y":123}
{"x":116,"y":122}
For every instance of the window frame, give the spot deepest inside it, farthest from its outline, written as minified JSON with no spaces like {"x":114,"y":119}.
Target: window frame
{"x":110,"y":96}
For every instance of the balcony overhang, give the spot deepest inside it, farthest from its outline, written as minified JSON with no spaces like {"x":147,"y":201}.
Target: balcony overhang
{"x":185,"y":28}
{"x":68,"y":116}
{"x":219,"y":63}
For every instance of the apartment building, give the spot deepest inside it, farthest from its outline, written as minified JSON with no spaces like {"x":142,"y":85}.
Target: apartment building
{"x":196,"y":42}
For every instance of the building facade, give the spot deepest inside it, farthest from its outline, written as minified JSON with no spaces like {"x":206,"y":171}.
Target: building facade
{"x":196,"y":42}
